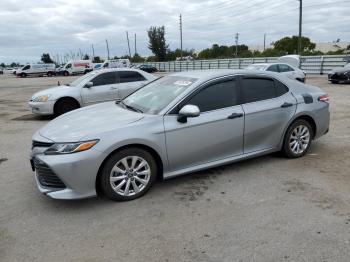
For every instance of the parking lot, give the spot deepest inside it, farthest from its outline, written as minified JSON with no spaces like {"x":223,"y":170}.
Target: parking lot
{"x":265,"y":209}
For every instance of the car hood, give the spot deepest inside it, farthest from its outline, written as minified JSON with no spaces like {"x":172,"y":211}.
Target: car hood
{"x":54,"y":92}
{"x":88,"y":122}
{"x":341,"y":70}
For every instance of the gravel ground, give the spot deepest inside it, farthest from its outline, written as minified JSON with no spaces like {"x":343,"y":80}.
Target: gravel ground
{"x":265,"y":209}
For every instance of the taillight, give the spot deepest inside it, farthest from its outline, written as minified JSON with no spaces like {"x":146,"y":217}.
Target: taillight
{"x":324,"y":98}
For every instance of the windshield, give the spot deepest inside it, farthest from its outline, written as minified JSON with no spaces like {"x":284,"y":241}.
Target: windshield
{"x":82,"y":79}
{"x":347,"y":65}
{"x":256,"y":67}
{"x":154,"y":97}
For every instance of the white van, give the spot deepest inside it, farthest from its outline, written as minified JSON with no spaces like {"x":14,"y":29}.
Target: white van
{"x":36,"y":69}
{"x":76,"y":67}
{"x":116,"y":63}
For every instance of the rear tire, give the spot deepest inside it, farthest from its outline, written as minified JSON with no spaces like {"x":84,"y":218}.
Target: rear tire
{"x":334,"y":82}
{"x":23,"y":75}
{"x":66,"y":73}
{"x":297,"y":140}
{"x":65,"y":105}
{"x":128,"y":174}
{"x":49,"y":74}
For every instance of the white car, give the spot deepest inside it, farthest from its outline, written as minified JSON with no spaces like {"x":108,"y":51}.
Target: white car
{"x":8,"y":70}
{"x":94,"y":87}
{"x":283,"y":68}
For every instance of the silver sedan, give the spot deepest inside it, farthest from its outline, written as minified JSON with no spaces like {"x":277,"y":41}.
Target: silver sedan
{"x":178,"y":124}
{"x":95,"y":87}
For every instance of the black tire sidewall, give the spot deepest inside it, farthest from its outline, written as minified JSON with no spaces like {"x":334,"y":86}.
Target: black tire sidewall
{"x":109,"y":164}
{"x":59,"y":106}
{"x":286,"y":150}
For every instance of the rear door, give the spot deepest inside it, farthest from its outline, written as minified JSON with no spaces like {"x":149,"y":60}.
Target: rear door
{"x":268,"y":106}
{"x":217,"y":133}
{"x":104,"y":89}
{"x":129,"y":82}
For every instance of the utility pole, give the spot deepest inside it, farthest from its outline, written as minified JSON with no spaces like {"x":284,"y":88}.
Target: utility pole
{"x":264,"y":41}
{"x":135,"y":45}
{"x":236,"y":40}
{"x":300,"y":24}
{"x":127,"y":37}
{"x":181,"y":37}
{"x":107,"y":49}
{"x":93,"y":52}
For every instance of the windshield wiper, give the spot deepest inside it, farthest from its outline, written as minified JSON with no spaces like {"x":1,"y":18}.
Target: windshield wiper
{"x":130,"y":107}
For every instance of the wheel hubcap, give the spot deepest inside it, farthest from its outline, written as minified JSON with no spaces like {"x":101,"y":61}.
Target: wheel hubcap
{"x":299,"y":139}
{"x":130,"y":175}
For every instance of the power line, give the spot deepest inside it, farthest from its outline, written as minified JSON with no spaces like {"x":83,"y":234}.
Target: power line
{"x":107,"y":49}
{"x":127,"y":38}
{"x":300,"y":23}
{"x":180,"y":36}
{"x":236,"y":40}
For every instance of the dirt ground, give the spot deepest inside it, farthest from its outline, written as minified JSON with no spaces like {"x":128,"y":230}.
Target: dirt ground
{"x":265,"y":209}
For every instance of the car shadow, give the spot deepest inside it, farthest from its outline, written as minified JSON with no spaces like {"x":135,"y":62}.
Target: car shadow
{"x":33,"y":117}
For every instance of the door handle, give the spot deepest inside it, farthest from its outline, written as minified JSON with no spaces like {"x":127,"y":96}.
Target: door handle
{"x":286,"y":105}
{"x":234,"y":115}
{"x":113,"y":88}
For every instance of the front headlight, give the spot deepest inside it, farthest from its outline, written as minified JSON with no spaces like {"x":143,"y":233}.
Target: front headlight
{"x":68,"y":148}
{"x":43,"y":98}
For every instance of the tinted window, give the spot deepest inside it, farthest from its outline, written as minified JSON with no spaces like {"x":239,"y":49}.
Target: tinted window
{"x":105,"y":79}
{"x":285,"y":68}
{"x":215,"y":96}
{"x":273,"y":68}
{"x":130,"y":76}
{"x":26,"y":67}
{"x":280,"y":88}
{"x":256,"y":89}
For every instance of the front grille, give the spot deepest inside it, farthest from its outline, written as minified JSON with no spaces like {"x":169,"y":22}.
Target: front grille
{"x":46,"y":176}
{"x":338,"y":76}
{"x":41,"y":144}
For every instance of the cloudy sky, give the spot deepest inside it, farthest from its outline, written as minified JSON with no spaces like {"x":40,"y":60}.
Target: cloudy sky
{"x":30,"y":27}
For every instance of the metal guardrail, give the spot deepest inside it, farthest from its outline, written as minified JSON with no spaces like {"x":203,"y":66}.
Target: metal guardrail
{"x":310,"y":64}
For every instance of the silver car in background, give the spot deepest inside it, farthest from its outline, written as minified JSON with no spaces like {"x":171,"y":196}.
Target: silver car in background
{"x":178,"y":124}
{"x":95,"y":87}
{"x":282,"y":68}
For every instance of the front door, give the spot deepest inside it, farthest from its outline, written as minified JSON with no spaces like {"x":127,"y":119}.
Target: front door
{"x":105,"y":88}
{"x":217,"y":133}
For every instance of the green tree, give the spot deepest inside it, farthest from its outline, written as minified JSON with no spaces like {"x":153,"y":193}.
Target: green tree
{"x":97,"y":59}
{"x":46,"y":59}
{"x":2,"y":65}
{"x":86,"y":57}
{"x":290,"y":44}
{"x":157,"y":43}
{"x":223,"y":51}
{"x":137,"y":58}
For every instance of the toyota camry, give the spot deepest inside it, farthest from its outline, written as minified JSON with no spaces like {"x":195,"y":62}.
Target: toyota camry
{"x":178,"y":124}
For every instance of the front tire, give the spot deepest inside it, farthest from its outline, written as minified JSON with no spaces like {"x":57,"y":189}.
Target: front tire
{"x":298,"y":139}
{"x":128,"y":174}
{"x":65,"y":105}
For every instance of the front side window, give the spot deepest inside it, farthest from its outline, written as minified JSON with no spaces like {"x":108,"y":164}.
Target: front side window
{"x":26,"y":67}
{"x":215,"y":96}
{"x":273,"y":68}
{"x":68,"y":66}
{"x":157,"y":95}
{"x":130,"y":76}
{"x":108,"y":78}
{"x":285,"y":68}
{"x":257,"y":89}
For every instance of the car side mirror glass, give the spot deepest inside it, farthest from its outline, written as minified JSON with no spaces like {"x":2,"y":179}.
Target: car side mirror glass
{"x":89,"y":84}
{"x":188,"y":111}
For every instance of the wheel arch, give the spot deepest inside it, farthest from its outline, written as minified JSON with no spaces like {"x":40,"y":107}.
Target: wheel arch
{"x":147,"y":148}
{"x":68,"y":98}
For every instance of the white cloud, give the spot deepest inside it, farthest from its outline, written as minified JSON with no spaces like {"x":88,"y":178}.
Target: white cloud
{"x":29,"y":28}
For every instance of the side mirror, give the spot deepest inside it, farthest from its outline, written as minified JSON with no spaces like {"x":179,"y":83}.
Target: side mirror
{"x":89,"y":84}
{"x":188,"y":111}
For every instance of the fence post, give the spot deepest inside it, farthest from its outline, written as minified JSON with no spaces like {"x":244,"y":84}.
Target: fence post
{"x":218,"y":63}
{"x":193,"y":65}
{"x":321,"y":65}
{"x":201,"y":64}
{"x":187,"y":65}
{"x":229,"y":63}
{"x":169,"y":66}
{"x":239,"y":63}
{"x":209,"y":64}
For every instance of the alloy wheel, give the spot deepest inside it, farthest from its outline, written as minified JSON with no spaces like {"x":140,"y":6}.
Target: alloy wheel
{"x":299,"y":139}
{"x":130,"y":175}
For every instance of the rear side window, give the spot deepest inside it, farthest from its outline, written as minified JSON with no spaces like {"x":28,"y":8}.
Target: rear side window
{"x":280,"y":88}
{"x":257,"y":89}
{"x":285,"y":68}
{"x":130,"y":76}
{"x":105,"y":79}
{"x":216,"y":96}
{"x":273,"y":68}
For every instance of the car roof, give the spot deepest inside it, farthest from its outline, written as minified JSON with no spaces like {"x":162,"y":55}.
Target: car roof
{"x":210,"y":73}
